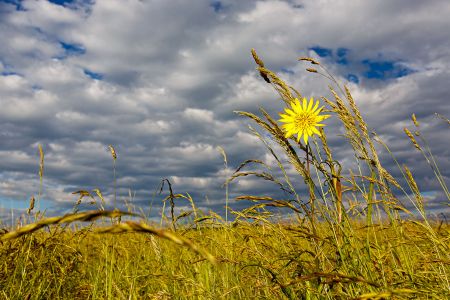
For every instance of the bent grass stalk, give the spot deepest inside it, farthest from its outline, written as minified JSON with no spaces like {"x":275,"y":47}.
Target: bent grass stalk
{"x":41,"y":175}
{"x":114,"y":157}
{"x":224,"y":155}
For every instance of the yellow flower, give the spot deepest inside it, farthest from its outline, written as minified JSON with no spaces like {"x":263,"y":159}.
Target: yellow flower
{"x":302,"y":119}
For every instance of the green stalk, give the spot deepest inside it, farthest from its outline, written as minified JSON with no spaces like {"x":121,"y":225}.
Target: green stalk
{"x":370,"y":210}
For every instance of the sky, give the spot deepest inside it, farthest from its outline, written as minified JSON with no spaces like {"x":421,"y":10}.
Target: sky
{"x":160,"y":81}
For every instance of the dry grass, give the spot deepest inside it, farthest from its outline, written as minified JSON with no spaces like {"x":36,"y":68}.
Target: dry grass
{"x":348,"y":237}
{"x":253,"y":261}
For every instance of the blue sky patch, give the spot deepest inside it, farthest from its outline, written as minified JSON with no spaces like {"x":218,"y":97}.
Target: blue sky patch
{"x":353,"y":78}
{"x":73,"y":49}
{"x":74,"y":4}
{"x":17,"y":3}
{"x":8,"y":73}
{"x":342,"y":56}
{"x":371,"y":68}
{"x":322,"y":52}
{"x":342,"y":52}
{"x":385,"y":69}
{"x":61,"y":2}
{"x":93,"y":75}
{"x":217,"y":6}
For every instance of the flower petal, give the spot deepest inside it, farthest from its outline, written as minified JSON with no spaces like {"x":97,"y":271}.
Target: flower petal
{"x":310,"y":104}
{"x":314,"y":130}
{"x":304,"y":104}
{"x":322,"y":117}
{"x":290,"y":112}
{"x":315,"y":106}
{"x":288,"y":134}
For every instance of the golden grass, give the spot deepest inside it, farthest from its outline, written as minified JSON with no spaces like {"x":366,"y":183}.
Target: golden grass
{"x":253,"y":261}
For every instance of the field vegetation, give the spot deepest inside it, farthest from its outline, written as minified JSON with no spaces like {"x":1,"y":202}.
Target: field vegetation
{"x":344,"y":234}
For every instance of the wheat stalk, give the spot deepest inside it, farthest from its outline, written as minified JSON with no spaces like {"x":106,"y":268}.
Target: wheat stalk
{"x":129,"y":226}
{"x":69,"y":218}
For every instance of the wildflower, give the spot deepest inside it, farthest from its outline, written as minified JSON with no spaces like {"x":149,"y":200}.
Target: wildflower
{"x":302,"y":119}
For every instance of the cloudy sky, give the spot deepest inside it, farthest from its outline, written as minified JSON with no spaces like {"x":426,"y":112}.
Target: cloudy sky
{"x":159,"y":80}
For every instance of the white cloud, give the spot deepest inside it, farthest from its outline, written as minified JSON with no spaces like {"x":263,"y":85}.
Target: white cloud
{"x":199,"y":115}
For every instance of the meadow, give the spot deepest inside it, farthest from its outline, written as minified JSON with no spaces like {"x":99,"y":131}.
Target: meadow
{"x":344,"y":234}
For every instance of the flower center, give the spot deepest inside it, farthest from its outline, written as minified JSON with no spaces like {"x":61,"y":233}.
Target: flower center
{"x":303,"y":121}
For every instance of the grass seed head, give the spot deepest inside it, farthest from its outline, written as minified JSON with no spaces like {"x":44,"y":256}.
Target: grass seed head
{"x":258,"y":61}
{"x":113,"y":152}
{"x":414,"y":119}
{"x":41,"y":161}
{"x":311,"y":70}
{"x":311,"y":60}
{"x":411,"y":137}
{"x":30,"y":208}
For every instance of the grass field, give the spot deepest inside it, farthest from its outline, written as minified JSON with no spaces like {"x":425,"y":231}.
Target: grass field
{"x":347,"y":237}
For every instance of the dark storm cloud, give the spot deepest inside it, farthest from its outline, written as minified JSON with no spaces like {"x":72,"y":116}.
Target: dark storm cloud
{"x":160,"y":80}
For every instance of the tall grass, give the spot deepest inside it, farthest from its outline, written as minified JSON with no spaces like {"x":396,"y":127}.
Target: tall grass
{"x":347,"y":235}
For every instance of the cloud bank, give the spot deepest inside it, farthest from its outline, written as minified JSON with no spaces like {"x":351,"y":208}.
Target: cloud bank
{"x":159,"y":80}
